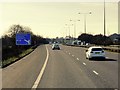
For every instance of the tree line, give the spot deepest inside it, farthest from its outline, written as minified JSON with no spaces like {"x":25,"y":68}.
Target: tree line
{"x":9,"y":47}
{"x":96,"y":39}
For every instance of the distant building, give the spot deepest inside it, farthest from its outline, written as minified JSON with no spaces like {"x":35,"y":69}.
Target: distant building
{"x":115,"y":38}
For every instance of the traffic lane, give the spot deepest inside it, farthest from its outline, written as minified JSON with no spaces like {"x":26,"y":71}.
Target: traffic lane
{"x":110,"y":55}
{"x":113,"y":56}
{"x":108,"y":70}
{"x":62,"y":72}
{"x":23,"y":73}
{"x":110,"y":61}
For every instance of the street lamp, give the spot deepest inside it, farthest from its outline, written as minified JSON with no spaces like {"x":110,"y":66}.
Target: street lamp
{"x":104,"y":24}
{"x":69,"y":27}
{"x":104,"y":20}
{"x":85,"y":19}
{"x":69,"y":33}
{"x":65,"y":31}
{"x":74,"y":26}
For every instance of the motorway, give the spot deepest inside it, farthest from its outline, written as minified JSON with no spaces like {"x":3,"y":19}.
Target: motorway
{"x":65,"y":68}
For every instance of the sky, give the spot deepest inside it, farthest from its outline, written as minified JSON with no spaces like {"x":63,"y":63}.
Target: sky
{"x":48,"y":19}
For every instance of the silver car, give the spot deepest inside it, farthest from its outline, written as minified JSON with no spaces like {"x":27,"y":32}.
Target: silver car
{"x":55,"y":46}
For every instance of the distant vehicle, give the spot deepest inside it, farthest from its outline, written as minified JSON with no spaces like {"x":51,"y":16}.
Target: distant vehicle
{"x":74,"y":43}
{"x":50,"y":43}
{"x":95,"y":52}
{"x":83,"y":43}
{"x":78,"y":42}
{"x":68,"y":43}
{"x":87,"y":44}
{"x":55,"y":46}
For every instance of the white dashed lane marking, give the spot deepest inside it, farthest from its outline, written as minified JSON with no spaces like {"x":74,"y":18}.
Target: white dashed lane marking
{"x":95,"y":72}
{"x":73,"y":55}
{"x":77,"y":58}
{"x":69,"y":53}
{"x":84,"y":63}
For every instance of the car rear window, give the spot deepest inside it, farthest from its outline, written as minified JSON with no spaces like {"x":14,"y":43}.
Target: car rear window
{"x":56,"y":45}
{"x":97,"y":49}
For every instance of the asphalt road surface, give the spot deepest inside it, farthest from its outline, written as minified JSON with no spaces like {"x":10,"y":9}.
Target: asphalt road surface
{"x":65,"y":68}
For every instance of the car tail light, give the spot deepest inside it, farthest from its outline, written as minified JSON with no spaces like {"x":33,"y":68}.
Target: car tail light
{"x":102,"y":51}
{"x":91,"y":52}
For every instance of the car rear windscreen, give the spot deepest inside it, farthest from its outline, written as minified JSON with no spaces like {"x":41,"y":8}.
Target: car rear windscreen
{"x":97,"y":49}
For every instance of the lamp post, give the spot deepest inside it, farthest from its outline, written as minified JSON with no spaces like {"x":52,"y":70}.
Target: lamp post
{"x":104,"y":20}
{"x":69,"y":27}
{"x":74,"y":26}
{"x":104,"y":24}
{"x":65,"y":33}
{"x":69,"y":32}
{"x":85,"y":19}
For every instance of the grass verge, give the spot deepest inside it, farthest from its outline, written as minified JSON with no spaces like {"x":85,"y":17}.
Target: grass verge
{"x":11,"y":60}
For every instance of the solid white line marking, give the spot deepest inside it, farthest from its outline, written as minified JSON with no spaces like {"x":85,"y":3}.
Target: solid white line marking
{"x":95,"y":72}
{"x":84,"y":63}
{"x":35,"y":85}
{"x":77,"y":58}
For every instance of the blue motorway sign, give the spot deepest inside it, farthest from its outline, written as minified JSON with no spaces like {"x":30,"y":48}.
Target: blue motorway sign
{"x":23,"y":39}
